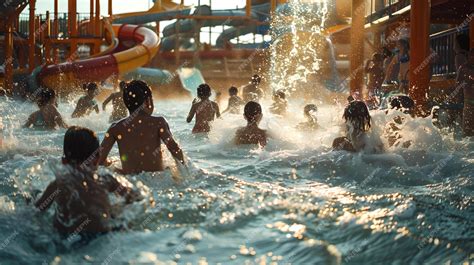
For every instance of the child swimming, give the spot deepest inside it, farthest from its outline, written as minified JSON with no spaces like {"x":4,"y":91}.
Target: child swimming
{"x":406,"y":105}
{"x":465,"y":79}
{"x":204,"y":109}
{"x":119,"y":109}
{"x":311,"y":122}
{"x":80,"y":195}
{"x":375,"y":71}
{"x":235,"y":102}
{"x":87,"y":103}
{"x":251,"y":134}
{"x":252,"y":91}
{"x":358,"y":122}
{"x":48,"y":116}
{"x":280,"y":104}
{"x":139,"y":136}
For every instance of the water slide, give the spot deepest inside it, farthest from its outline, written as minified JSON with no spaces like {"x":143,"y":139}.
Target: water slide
{"x":186,"y":28}
{"x":138,"y":45}
{"x":131,"y":47}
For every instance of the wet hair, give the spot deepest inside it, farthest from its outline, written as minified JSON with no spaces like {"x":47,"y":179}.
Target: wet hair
{"x":80,"y":144}
{"x":463,"y":41}
{"x":204,"y":91}
{"x":402,"y":102}
{"x":280,"y":93}
{"x":45,"y":96}
{"x":122,"y":85}
{"x":350,"y":98}
{"x":358,"y":114}
{"x":256,"y":79}
{"x":310,"y":107}
{"x":233,"y":91}
{"x":251,"y":110}
{"x":378,"y":57}
{"x":135,"y":94}
{"x":90,"y":87}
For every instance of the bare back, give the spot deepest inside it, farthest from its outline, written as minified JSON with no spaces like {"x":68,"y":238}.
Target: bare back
{"x":206,"y":111}
{"x":251,"y":135}
{"x":139,"y":140}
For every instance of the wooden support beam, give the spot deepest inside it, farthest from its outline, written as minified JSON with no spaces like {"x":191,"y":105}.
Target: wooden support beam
{"x":248,"y":8}
{"x":357,"y":47}
{"x":32,"y":37}
{"x":471,"y":33}
{"x":110,"y":8}
{"x":420,"y":57}
{"x":72,"y":17}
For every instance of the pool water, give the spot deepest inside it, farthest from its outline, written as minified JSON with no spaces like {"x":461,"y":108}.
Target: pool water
{"x":295,"y":201}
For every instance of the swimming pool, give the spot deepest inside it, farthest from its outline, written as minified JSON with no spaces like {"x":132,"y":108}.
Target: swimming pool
{"x":293,"y":202}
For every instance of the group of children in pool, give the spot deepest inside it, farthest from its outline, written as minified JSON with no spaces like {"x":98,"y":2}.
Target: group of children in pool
{"x":81,"y":194}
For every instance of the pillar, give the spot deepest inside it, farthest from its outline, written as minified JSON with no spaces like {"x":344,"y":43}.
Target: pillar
{"x":98,"y":25}
{"x":273,"y":5}
{"x":420,"y":54}
{"x":31,"y":37}
{"x":9,"y":55}
{"x":357,"y":47}
{"x":248,"y":8}
{"x":110,"y":8}
{"x":91,"y":18}
{"x":72,"y":17}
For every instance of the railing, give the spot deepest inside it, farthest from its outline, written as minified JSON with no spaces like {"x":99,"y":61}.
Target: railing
{"x":63,"y":29}
{"x":376,"y":9}
{"x":443,"y":44}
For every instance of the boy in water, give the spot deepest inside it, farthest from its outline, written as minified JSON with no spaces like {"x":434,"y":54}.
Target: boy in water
{"x":374,"y":68}
{"x":79,"y":194}
{"x":280,"y":104}
{"x":311,"y":122}
{"x":139,"y":136}
{"x":252,"y":91}
{"x":119,"y":109}
{"x":204,"y":109}
{"x":251,"y":134}
{"x":235,"y":102}
{"x":48,"y":116}
{"x":87,"y":103}
{"x":357,"y":118}
{"x":465,"y":80}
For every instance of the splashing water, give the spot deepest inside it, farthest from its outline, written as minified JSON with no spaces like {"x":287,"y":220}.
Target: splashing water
{"x":292,"y":202}
{"x":302,"y":59}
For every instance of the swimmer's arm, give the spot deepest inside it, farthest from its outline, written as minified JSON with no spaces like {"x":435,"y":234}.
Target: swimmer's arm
{"x":218,"y":113}
{"x":390,"y":67}
{"x":106,"y":146}
{"x":167,"y":138}
{"x":48,"y":196}
{"x":192,"y":111}
{"x":96,"y":108}
{"x":106,"y":101}
{"x":58,"y":119}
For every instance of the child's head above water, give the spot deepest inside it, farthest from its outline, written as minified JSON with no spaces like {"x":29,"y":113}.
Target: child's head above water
{"x":46,"y":96}
{"x":253,"y":112}
{"x":80,"y":145}
{"x":403,"y":103}
{"x":233,"y":91}
{"x":122,"y":85}
{"x":137,"y":95}
{"x":279,"y":94}
{"x":204,"y":91}
{"x":309,"y":110}
{"x":256,"y":79}
{"x":90,"y":88}
{"x":358,"y":115}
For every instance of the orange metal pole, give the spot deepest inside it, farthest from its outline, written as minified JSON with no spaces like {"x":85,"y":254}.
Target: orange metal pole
{"x":110,"y":8}
{"x":97,"y":24}
{"x":273,"y":5}
{"x":91,"y":18}
{"x":47,"y":42}
{"x":420,"y":53}
{"x":248,"y":8}
{"x":73,"y":28}
{"x":31,"y":37}
{"x":357,"y":46}
{"x":9,"y":55}
{"x":56,"y":30}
